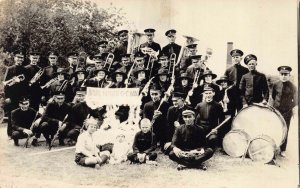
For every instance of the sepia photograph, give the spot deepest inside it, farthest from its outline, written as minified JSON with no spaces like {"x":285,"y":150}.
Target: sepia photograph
{"x":149,"y":93}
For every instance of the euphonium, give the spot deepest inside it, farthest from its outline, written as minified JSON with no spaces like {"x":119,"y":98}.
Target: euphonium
{"x":14,"y":80}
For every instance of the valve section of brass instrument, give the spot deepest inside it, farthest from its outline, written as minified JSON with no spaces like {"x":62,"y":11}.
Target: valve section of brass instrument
{"x":14,"y":80}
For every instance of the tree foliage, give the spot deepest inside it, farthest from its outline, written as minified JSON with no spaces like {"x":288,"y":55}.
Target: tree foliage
{"x":61,"y":25}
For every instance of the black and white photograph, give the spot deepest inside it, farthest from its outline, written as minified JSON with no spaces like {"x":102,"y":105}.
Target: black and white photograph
{"x":149,"y":93}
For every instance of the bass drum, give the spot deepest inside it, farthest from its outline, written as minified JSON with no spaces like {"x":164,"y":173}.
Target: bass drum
{"x":235,"y":143}
{"x":258,"y":120}
{"x":262,"y":149}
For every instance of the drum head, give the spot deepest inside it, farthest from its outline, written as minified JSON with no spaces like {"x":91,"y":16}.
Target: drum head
{"x":235,"y":143}
{"x":258,"y":120}
{"x":262,"y":149}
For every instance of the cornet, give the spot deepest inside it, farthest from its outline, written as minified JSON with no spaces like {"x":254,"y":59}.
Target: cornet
{"x":49,"y":83}
{"x":36,"y":77}
{"x":14,"y":80}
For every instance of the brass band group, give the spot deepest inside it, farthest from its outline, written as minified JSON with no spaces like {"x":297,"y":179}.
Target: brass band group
{"x":185,"y":111}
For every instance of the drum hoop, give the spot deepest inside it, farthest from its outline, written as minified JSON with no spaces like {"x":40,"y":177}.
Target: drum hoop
{"x":284,"y":128}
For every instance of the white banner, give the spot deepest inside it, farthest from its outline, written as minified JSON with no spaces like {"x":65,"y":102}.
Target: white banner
{"x":96,"y":97}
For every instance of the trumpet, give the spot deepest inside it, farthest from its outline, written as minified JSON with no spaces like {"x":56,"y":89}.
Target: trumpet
{"x":48,"y":84}
{"x":109,"y":59}
{"x":172,"y":62}
{"x":14,"y":80}
{"x":36,"y":77}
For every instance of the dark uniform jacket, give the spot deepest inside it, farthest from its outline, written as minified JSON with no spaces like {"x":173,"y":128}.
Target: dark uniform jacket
{"x":35,"y":91}
{"x":22,"y":119}
{"x":55,"y":113}
{"x":189,"y":137}
{"x":97,"y":83}
{"x":184,"y":90}
{"x":197,"y":96}
{"x":235,"y":73}
{"x":144,"y":142}
{"x":254,"y":87}
{"x":191,"y":71}
{"x":120,"y":50}
{"x":174,"y":114}
{"x":284,"y":95}
{"x":56,"y":86}
{"x":209,"y":115}
{"x":171,"y":48}
{"x":48,"y":74}
{"x":18,"y":90}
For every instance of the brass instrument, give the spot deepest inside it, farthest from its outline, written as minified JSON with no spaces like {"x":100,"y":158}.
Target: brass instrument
{"x":134,"y":40}
{"x":196,"y":79}
{"x":49,"y":83}
{"x":172,"y":62}
{"x":109,"y":59}
{"x":128,"y":75}
{"x":225,"y":100}
{"x":14,"y":80}
{"x":36,"y":77}
{"x":146,"y":87}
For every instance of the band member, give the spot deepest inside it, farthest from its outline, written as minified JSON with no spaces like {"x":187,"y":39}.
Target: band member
{"x":80,"y":79}
{"x":227,"y":95}
{"x":196,"y":65}
{"x":16,"y":86}
{"x":22,"y":120}
{"x":196,"y":96}
{"x":54,"y":117}
{"x":253,"y":85}
{"x":172,"y":47}
{"x":102,"y":47}
{"x":125,"y":63}
{"x":140,"y":80}
{"x":87,"y":153}
{"x":234,"y":74}
{"x":163,"y":62}
{"x":118,"y":78}
{"x":144,"y":145}
{"x":162,"y":80}
{"x":73,"y":62}
{"x":157,"y":115}
{"x":121,"y":49}
{"x":78,"y":113}
{"x":284,"y":95}
{"x":186,"y":60}
{"x":139,"y":61}
{"x":189,"y":147}
{"x":150,"y":41}
{"x":35,"y":92}
{"x":99,"y":80}
{"x":99,"y":64}
{"x":51,"y":69}
{"x":174,"y":115}
{"x":184,"y":85}
{"x":62,"y":84}
{"x":209,"y":114}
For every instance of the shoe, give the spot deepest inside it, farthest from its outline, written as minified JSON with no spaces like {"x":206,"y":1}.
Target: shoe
{"x":97,"y":166}
{"x":34,"y":142}
{"x":16,"y":142}
{"x":181,"y":167}
{"x":154,"y":163}
{"x":202,"y":167}
{"x":61,"y":142}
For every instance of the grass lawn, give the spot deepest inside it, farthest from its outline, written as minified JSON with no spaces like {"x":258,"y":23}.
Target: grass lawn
{"x":58,"y":169}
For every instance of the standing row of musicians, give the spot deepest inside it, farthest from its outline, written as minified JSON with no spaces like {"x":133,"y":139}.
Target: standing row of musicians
{"x":192,"y":79}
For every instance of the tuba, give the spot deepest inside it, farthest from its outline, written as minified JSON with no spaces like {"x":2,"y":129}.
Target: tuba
{"x":134,"y":40}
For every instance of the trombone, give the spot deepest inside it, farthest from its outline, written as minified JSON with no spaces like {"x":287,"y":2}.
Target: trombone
{"x":109,"y":59}
{"x":190,"y":93}
{"x":172,"y":62}
{"x":36,"y":77}
{"x":14,"y":80}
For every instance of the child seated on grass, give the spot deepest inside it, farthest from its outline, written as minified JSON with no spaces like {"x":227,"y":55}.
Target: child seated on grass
{"x":144,"y":145}
{"x":87,"y":153}
{"x":120,"y":149}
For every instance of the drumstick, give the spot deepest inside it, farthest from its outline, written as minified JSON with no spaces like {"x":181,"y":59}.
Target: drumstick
{"x":221,"y":124}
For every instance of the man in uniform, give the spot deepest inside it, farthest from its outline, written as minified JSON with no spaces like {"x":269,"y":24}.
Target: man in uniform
{"x":189,"y":147}
{"x":196,"y":65}
{"x":186,"y":60}
{"x":102,"y":47}
{"x":234,"y":74}
{"x":80,"y":80}
{"x":253,"y":85}
{"x":17,"y":88}
{"x":284,"y":95}
{"x":184,"y":84}
{"x":209,"y":114}
{"x":35,"y":91}
{"x":54,"y":116}
{"x":121,"y":49}
{"x":22,"y":120}
{"x":172,"y":47}
{"x":73,"y":62}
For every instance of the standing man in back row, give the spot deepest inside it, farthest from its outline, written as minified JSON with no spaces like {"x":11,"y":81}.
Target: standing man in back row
{"x":253,"y":86}
{"x":234,"y":74}
{"x":284,"y":95}
{"x":172,"y":47}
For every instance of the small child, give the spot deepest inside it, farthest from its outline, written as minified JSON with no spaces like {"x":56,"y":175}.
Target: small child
{"x":87,"y":153}
{"x":144,"y":145}
{"x":120,"y":150}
